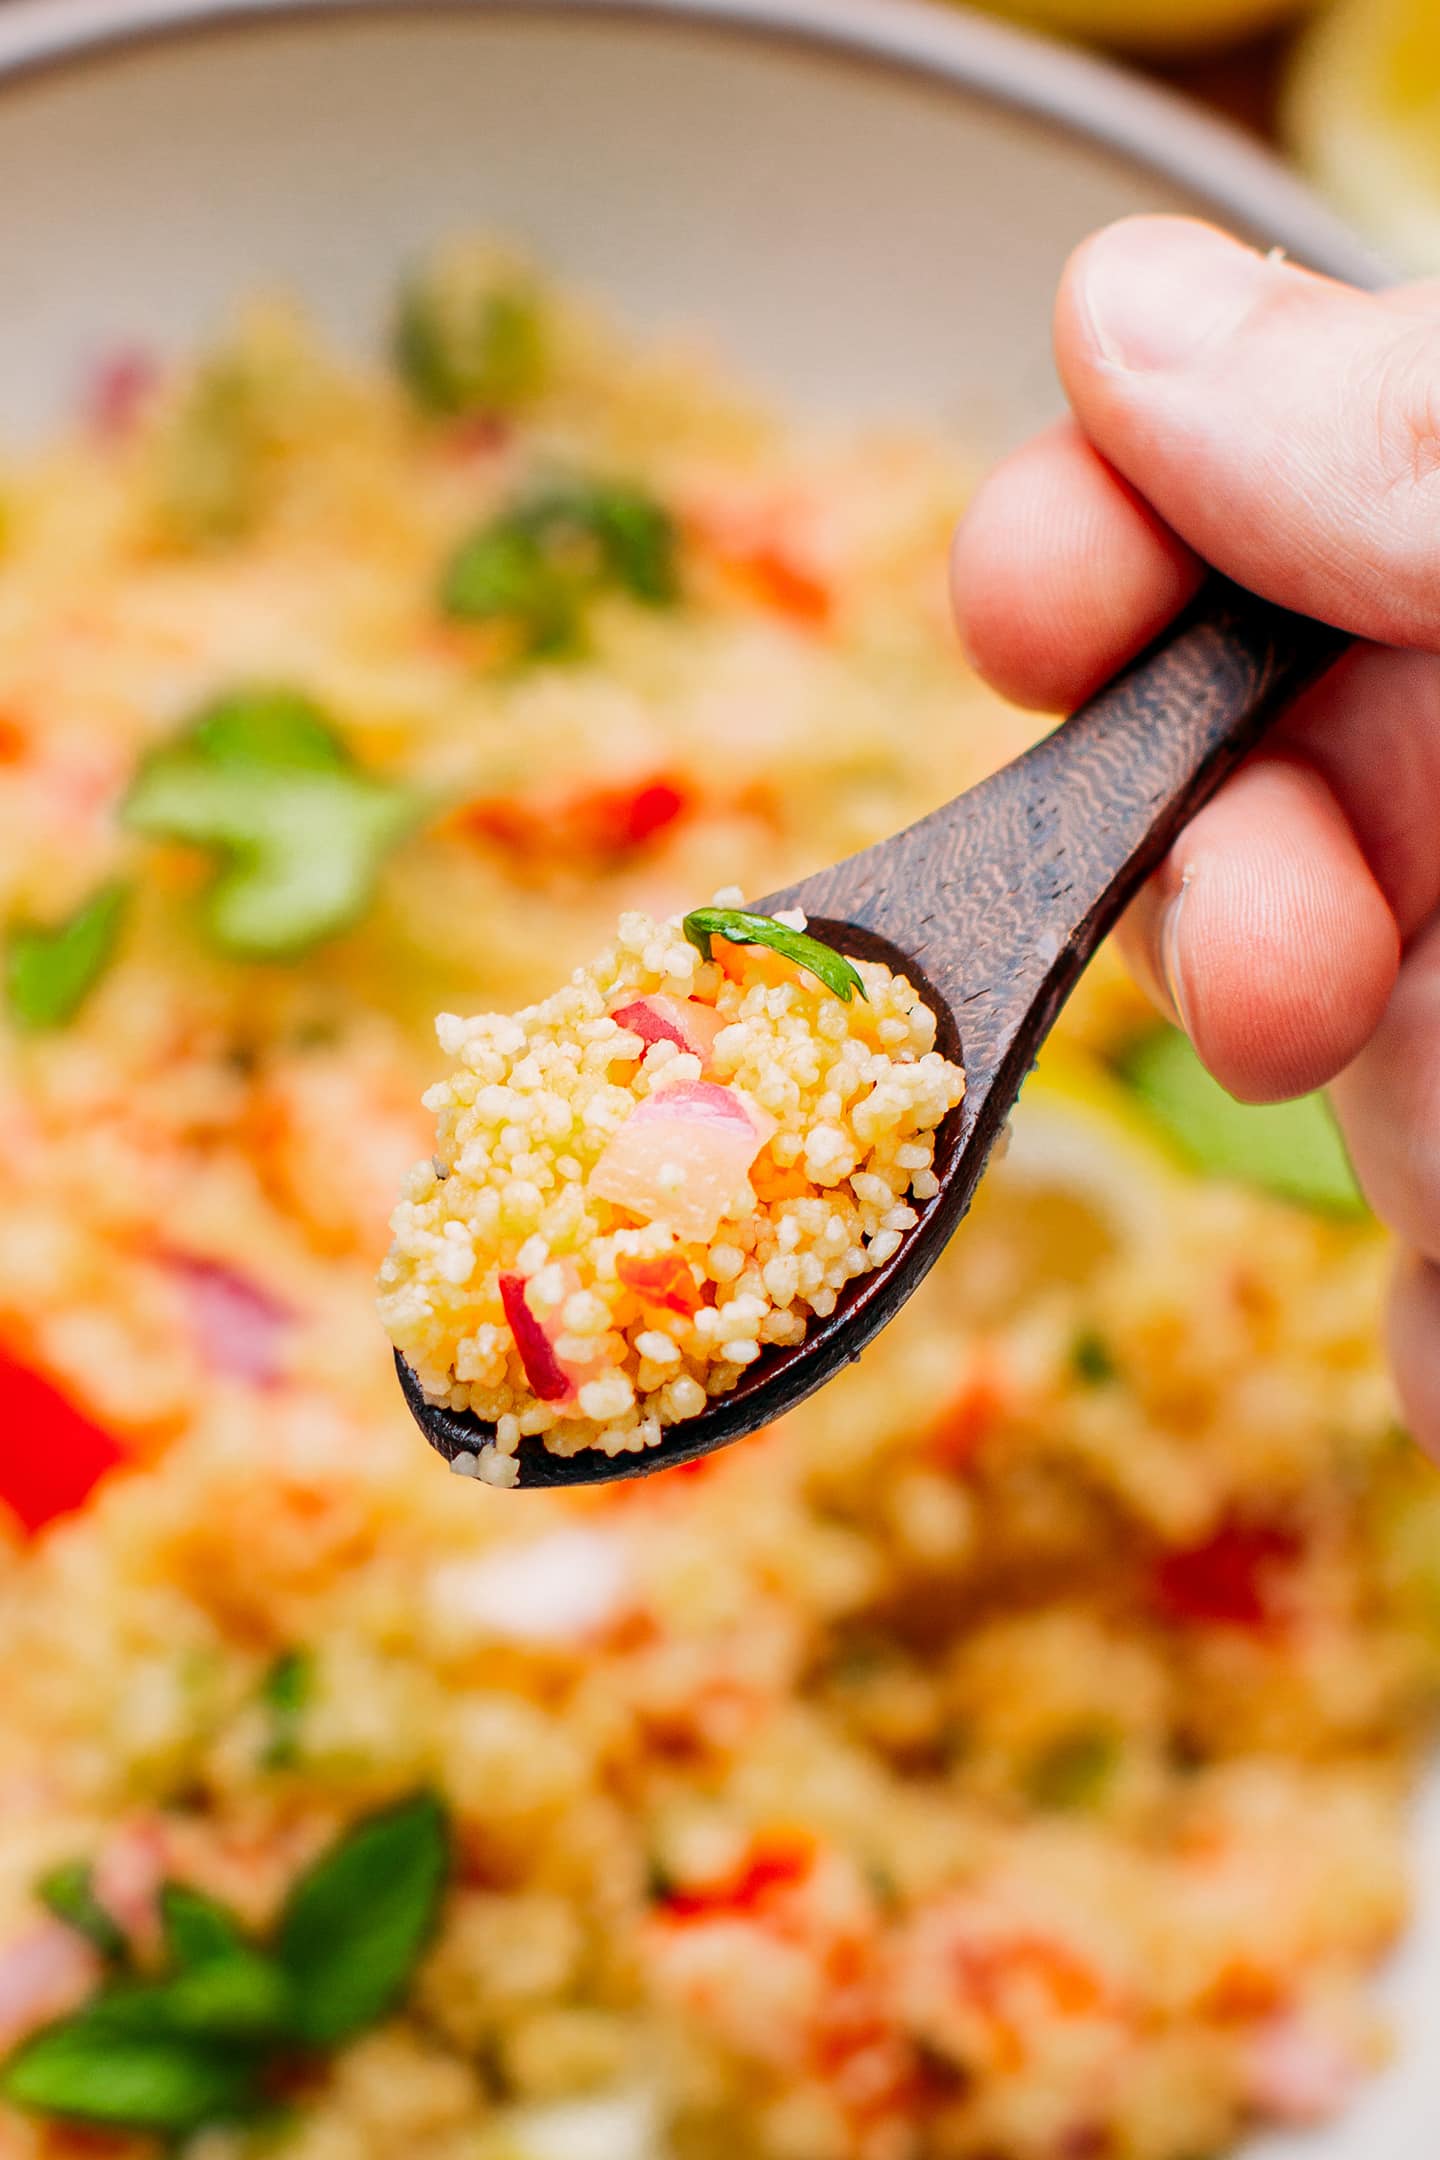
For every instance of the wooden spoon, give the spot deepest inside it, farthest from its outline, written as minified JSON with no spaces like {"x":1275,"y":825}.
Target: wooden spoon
{"x":992,"y":906}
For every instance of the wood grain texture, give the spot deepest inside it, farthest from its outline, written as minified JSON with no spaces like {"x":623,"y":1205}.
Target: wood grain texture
{"x":992,"y":906}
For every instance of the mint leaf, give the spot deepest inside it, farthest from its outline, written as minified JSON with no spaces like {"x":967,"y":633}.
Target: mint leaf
{"x":298,"y":830}
{"x":50,"y":969}
{"x":243,"y":1995}
{"x":272,"y":727}
{"x":69,"y":1893}
{"x":86,"y":2069}
{"x":741,"y":928}
{"x":1292,"y":1149}
{"x":357,"y":1921}
{"x":197,"y":1928}
{"x":503,"y":574}
{"x":470,"y":339}
{"x":536,"y":566}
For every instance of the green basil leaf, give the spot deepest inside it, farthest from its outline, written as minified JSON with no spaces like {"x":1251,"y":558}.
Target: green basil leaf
{"x":198,"y":1929}
{"x":50,"y":969}
{"x":69,"y":1893}
{"x":832,"y":968}
{"x":298,"y":831}
{"x":286,"y":1690}
{"x":471,"y":339}
{"x":85,"y":2069}
{"x":357,"y":1921}
{"x":1292,"y":1149}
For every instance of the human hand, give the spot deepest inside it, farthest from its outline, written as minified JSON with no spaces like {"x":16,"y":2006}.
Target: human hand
{"x":1231,"y":409}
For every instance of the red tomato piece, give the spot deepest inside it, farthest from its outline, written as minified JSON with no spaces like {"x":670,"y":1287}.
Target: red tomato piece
{"x":51,"y":1455}
{"x":1229,"y":1580}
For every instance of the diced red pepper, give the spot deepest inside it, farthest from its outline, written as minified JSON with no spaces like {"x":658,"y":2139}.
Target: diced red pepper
{"x":666,"y":1281}
{"x":1228,"y":1581}
{"x":970,"y":1416}
{"x":622,"y":818}
{"x":598,"y":823}
{"x":775,"y":1863}
{"x":786,"y":586}
{"x":51,"y":1455}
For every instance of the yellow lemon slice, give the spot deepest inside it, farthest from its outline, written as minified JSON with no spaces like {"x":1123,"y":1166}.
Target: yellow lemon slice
{"x":1151,"y":25}
{"x":1084,"y":1175}
{"x":1362,"y":110}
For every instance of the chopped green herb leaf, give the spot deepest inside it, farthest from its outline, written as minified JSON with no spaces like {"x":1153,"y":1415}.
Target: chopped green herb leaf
{"x":356,"y":1922}
{"x":535,"y":567}
{"x":198,"y":1929}
{"x":69,"y":1893}
{"x":298,"y":829}
{"x":195,"y":2046}
{"x":242,"y":1995}
{"x":50,"y":970}
{"x":286,"y":1690}
{"x":1076,"y":1770}
{"x":832,"y":968}
{"x":1092,"y":1360}
{"x":86,"y":2069}
{"x":503,"y":574}
{"x":1293,"y":1149}
{"x":471,"y":338}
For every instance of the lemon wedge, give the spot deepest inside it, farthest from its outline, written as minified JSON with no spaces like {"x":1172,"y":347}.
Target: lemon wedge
{"x":1362,"y":111}
{"x":1084,"y":1175}
{"x":1151,"y":25}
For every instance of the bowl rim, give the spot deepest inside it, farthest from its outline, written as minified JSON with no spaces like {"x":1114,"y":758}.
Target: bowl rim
{"x":945,"y":46}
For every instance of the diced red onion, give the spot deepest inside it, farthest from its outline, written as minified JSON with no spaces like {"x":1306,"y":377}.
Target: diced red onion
{"x":47,"y":1972}
{"x":238,"y":1326}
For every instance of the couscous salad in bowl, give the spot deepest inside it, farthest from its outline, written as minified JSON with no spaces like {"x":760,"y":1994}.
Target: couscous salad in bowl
{"x":1007,"y":1755}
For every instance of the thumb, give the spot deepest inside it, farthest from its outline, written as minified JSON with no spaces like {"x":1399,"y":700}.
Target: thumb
{"x":1285,"y":426}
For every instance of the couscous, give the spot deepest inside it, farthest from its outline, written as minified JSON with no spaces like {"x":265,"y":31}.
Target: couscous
{"x":646,"y":1181}
{"x":1009,"y":1754}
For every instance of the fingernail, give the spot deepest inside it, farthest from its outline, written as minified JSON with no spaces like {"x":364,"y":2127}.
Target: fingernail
{"x":1172,"y":973}
{"x":1160,"y":291}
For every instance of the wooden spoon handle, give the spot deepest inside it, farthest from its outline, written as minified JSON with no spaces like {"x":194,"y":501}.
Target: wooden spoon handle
{"x":1121,"y":778}
{"x":1002,"y":896}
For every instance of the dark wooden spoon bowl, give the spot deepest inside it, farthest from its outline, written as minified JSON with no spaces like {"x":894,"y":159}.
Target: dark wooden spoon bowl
{"x":992,"y":906}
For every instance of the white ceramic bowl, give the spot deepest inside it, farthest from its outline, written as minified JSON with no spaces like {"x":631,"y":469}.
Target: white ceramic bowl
{"x":866,"y":203}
